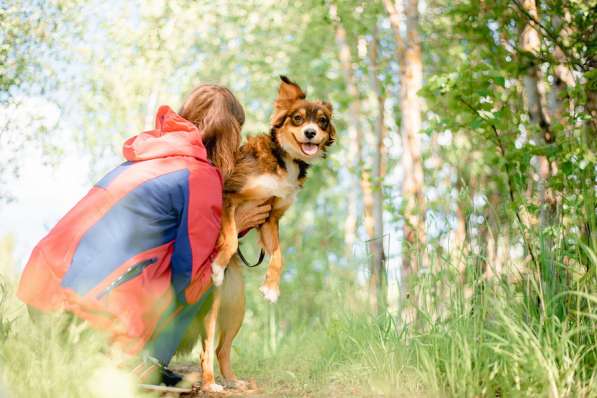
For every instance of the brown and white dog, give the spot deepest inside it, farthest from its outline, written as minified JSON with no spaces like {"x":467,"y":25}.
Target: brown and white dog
{"x":269,"y":167}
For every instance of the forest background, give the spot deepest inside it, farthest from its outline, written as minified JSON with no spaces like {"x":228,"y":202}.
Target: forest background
{"x":447,"y":246}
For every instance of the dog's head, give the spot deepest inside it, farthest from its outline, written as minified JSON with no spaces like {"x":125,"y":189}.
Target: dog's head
{"x":302,"y":128}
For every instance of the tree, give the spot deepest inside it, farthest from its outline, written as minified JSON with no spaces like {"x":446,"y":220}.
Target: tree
{"x":370,"y":186}
{"x":377,"y":237}
{"x":411,"y":81}
{"x":355,"y":134}
{"x":31,"y":51}
{"x":536,"y":104}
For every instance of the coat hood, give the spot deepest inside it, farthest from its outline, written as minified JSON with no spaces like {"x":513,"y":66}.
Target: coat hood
{"x":173,"y":136}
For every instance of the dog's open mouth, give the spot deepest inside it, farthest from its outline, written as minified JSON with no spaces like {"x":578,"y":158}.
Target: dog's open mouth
{"x":309,"y":148}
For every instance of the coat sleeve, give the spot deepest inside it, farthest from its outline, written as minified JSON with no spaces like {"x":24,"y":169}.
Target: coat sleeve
{"x":197,"y":234}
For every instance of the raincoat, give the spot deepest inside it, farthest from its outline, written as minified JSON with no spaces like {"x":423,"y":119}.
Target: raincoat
{"x":138,"y":247}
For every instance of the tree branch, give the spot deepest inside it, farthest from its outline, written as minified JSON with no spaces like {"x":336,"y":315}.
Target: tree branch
{"x":553,"y":36}
{"x":502,"y":150}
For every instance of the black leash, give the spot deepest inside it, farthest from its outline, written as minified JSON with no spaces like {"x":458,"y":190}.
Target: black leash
{"x":261,"y":257}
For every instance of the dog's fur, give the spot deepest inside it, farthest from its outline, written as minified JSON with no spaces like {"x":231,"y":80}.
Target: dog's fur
{"x":274,"y":167}
{"x":270,"y":168}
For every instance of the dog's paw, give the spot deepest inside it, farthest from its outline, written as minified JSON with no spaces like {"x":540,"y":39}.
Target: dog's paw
{"x":212,"y":387}
{"x":271,"y":294}
{"x":237,"y":384}
{"x":217,"y":273}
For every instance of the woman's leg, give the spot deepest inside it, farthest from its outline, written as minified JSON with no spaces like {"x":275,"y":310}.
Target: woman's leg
{"x":171,"y":332}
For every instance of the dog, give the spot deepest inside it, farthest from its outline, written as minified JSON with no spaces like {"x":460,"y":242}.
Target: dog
{"x":269,"y":167}
{"x":274,"y":168}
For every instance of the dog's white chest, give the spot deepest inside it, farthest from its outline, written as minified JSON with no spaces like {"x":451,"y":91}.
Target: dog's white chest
{"x":283,"y":187}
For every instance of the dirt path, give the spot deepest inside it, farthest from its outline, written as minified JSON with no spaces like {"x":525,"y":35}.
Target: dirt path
{"x":268,"y":389}
{"x":191,"y":386}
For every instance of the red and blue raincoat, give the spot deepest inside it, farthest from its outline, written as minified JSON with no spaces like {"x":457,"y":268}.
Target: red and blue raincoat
{"x":136,"y":251}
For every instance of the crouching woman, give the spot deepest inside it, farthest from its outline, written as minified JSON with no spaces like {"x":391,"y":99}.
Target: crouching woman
{"x":133,"y":257}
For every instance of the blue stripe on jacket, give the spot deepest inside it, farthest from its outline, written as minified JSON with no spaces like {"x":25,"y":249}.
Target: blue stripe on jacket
{"x":149,"y":216}
{"x":182,"y":257}
{"x":108,"y":178}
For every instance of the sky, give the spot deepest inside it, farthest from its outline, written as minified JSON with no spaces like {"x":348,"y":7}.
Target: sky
{"x":45,"y":187}
{"x":43,"y":194}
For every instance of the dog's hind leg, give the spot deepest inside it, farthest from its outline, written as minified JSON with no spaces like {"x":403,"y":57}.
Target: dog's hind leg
{"x":208,"y":341}
{"x":223,"y":353}
{"x":230,"y":319}
{"x":227,"y":244}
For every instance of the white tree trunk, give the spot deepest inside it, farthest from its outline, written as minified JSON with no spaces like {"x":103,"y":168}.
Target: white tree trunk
{"x":377,"y":274}
{"x":536,"y":102}
{"x":354,"y":132}
{"x":378,"y":263}
{"x":411,"y":81}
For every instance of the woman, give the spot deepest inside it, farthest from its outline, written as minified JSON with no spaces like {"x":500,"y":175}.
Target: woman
{"x":133,"y":257}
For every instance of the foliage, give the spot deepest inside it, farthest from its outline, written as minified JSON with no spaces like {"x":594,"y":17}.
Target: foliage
{"x":55,"y":356}
{"x":508,"y":308}
{"x":34,"y":53}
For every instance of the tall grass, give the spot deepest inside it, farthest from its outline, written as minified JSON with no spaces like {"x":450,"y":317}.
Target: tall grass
{"x":473,"y":337}
{"x":54,"y":357}
{"x":534,"y":336}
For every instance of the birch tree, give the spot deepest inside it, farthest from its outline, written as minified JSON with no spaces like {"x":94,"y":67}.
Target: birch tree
{"x":355,"y":135}
{"x":378,"y":260}
{"x":536,"y":103}
{"x":363,"y":178}
{"x":411,"y":81}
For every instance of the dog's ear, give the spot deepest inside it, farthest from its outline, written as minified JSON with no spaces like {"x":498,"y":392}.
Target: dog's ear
{"x":288,"y":93}
{"x":332,"y":135}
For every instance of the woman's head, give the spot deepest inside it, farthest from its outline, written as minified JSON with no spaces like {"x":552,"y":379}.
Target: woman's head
{"x":220,"y":117}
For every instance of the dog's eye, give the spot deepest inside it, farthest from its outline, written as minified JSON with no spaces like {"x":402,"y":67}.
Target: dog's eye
{"x":323,"y":122}
{"x":297,"y":119}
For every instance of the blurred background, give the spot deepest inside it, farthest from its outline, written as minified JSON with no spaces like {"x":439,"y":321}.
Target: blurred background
{"x":447,"y":245}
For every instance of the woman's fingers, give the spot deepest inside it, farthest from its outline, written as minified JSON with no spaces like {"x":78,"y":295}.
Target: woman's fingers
{"x":260,"y":217}
{"x":252,"y":214}
{"x":261,"y":214}
{"x":263,"y":209}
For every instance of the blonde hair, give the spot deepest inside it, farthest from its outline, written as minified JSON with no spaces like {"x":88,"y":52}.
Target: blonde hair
{"x":219,"y":116}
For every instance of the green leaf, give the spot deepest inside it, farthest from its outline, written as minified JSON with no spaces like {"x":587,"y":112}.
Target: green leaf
{"x":476,"y":123}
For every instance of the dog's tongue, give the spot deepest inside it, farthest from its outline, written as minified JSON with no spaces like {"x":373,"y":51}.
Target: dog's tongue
{"x":309,"y":149}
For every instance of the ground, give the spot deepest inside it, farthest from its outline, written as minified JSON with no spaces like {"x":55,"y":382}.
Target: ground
{"x":262,"y":389}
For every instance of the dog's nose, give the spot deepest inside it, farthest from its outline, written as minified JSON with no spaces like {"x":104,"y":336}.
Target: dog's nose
{"x":310,"y":132}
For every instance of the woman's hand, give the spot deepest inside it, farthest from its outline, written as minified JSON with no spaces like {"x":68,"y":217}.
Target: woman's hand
{"x":251,"y":214}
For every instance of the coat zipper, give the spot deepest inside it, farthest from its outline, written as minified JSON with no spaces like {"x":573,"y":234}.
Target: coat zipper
{"x":132,"y":272}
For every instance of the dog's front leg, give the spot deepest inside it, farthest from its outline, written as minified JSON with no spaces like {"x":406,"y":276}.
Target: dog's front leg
{"x":270,"y":240}
{"x":208,"y":380}
{"x":227,"y":244}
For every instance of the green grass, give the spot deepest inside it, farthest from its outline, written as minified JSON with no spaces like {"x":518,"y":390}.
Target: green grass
{"x":484,"y":338}
{"x":481,"y":338}
{"x":54,"y":357}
